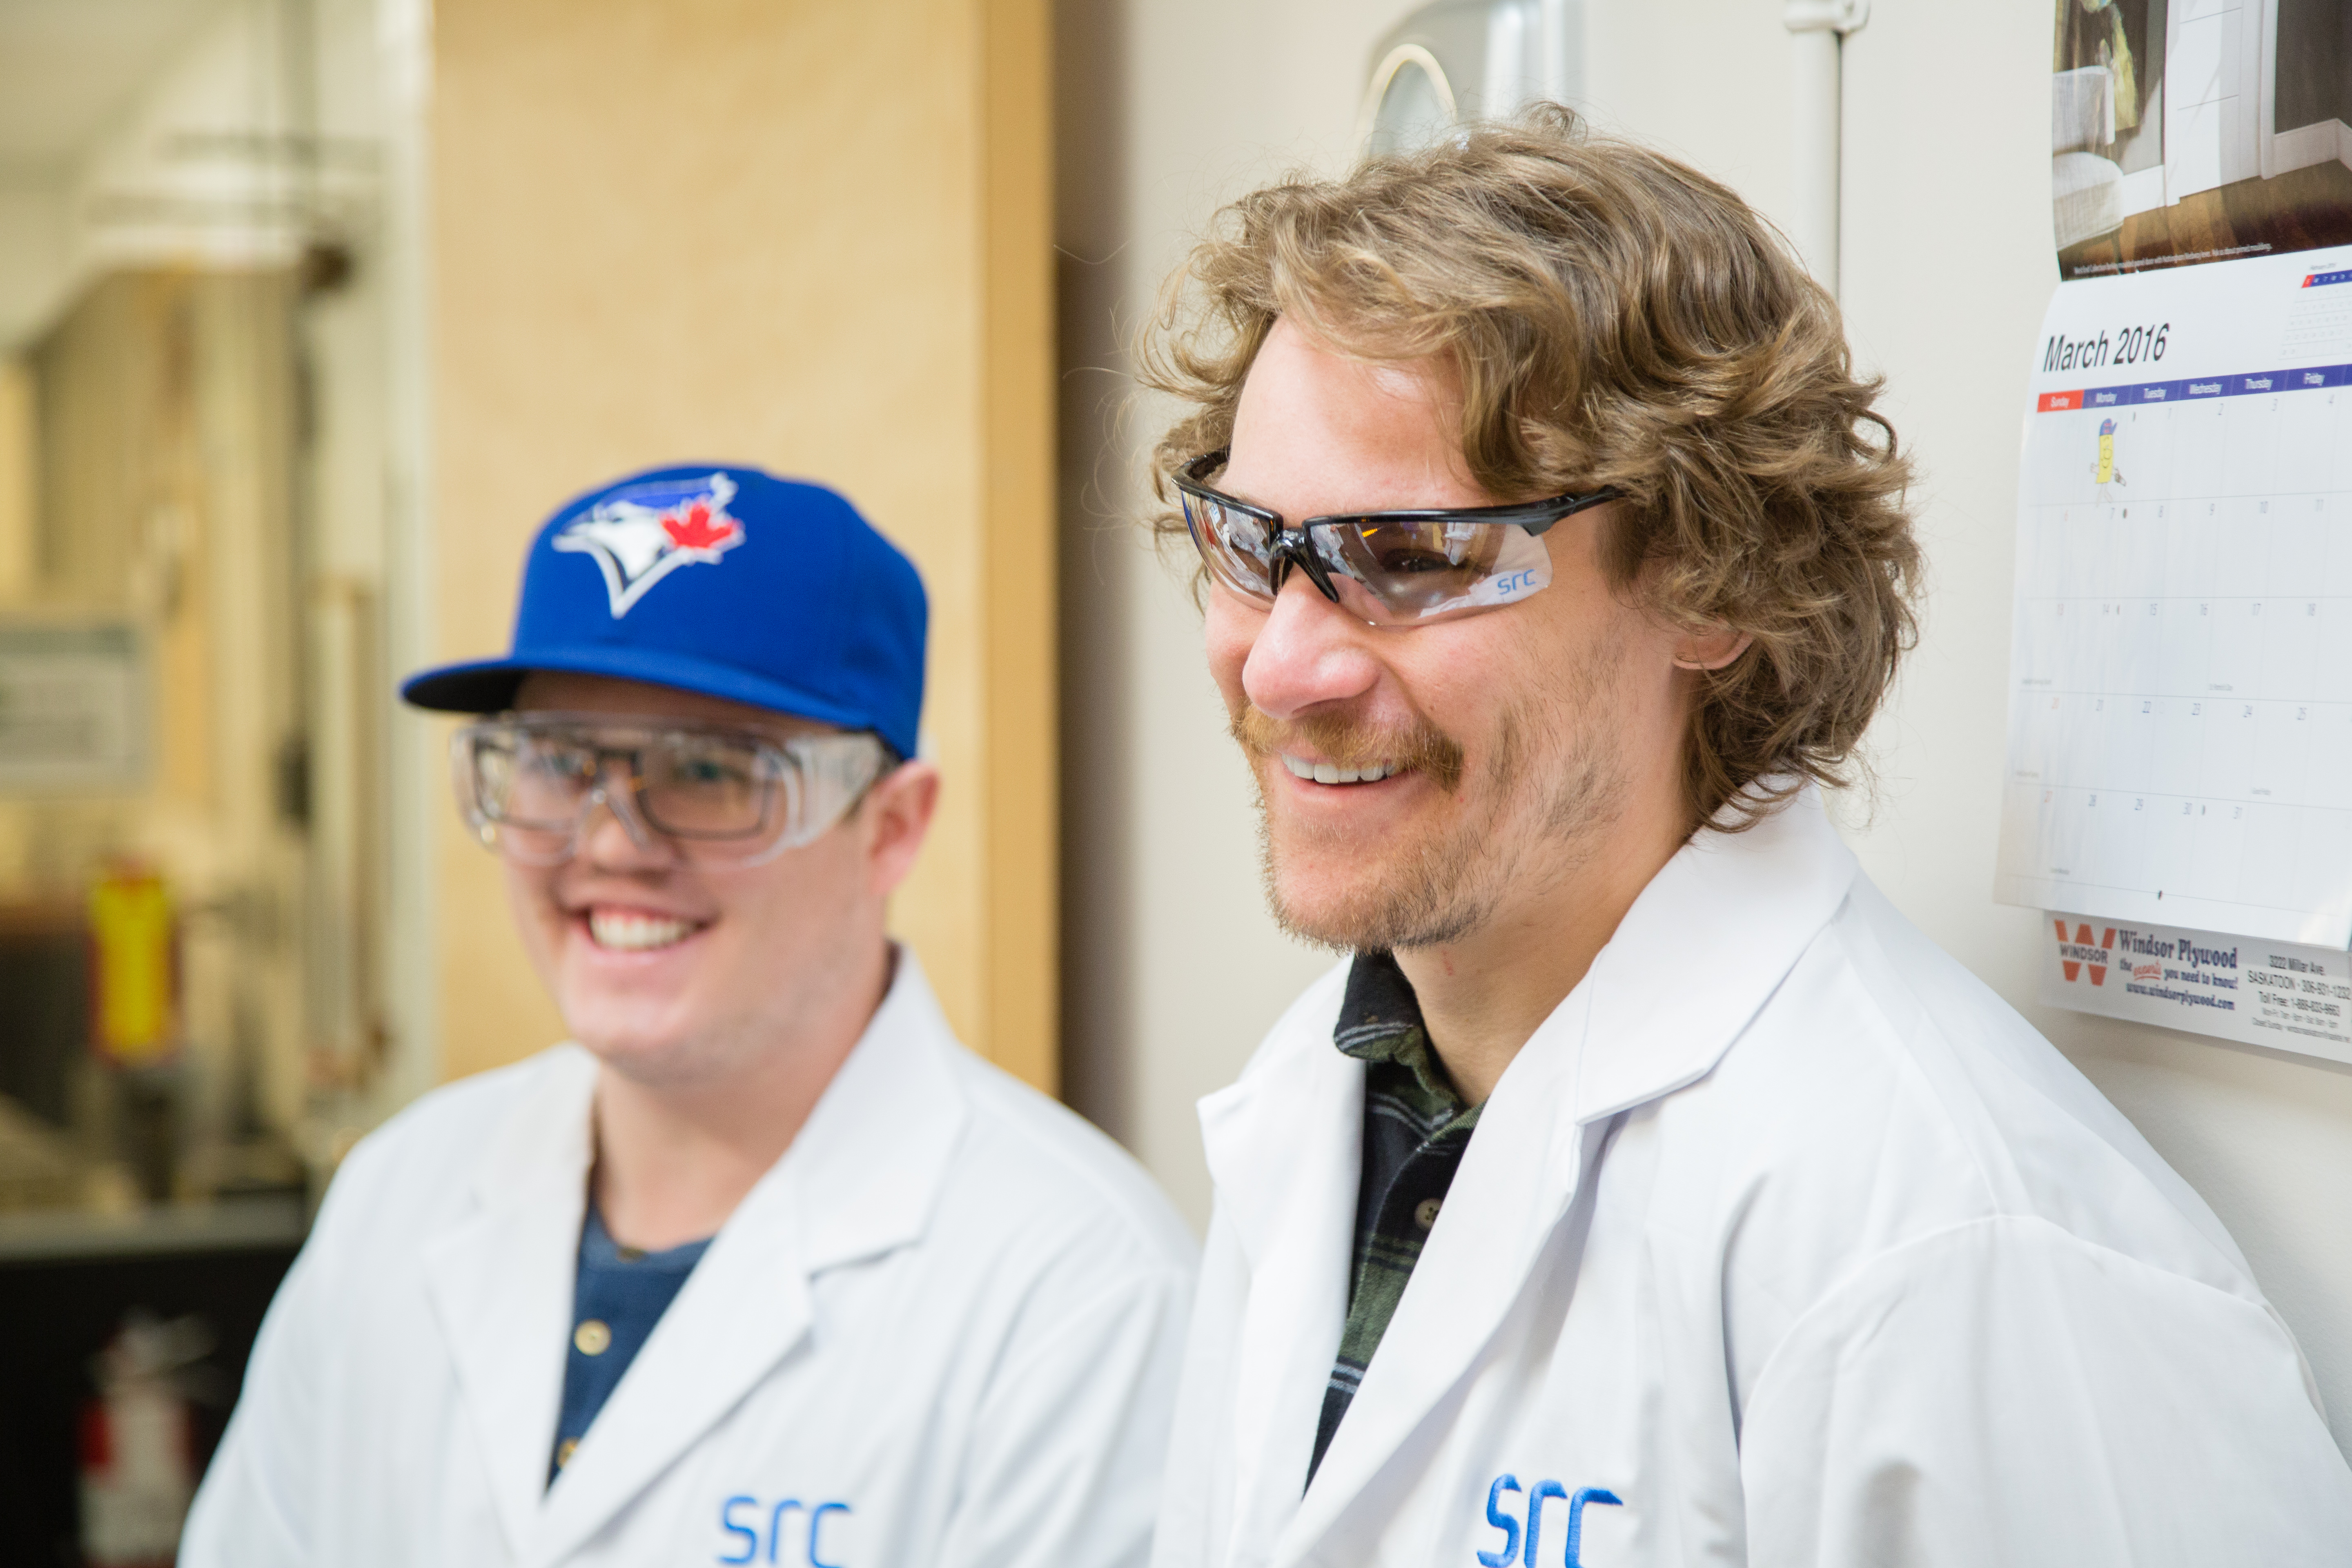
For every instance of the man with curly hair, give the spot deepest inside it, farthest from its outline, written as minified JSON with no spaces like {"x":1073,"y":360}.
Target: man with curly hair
{"x":1643,"y":1188}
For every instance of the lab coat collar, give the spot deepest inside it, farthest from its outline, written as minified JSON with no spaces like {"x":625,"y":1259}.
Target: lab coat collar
{"x":861,"y":1179}
{"x":1702,"y":948}
{"x":500,"y":1280}
{"x":1283,"y":1147}
{"x":1701,"y":951}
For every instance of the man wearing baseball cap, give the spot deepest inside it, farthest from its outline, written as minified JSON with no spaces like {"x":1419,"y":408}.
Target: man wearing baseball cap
{"x":765,"y":1267}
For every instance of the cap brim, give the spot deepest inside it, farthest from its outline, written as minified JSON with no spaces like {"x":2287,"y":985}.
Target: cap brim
{"x":489,"y":685}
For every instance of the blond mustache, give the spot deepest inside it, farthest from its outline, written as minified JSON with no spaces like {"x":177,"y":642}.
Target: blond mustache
{"x":1345,"y":743}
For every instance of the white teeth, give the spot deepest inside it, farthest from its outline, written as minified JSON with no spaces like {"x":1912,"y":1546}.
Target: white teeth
{"x":631,"y":933}
{"x":1332,"y":773}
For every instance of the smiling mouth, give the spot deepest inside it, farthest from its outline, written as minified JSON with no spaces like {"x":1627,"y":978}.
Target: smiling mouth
{"x":634,"y":931}
{"x":1332,"y":773}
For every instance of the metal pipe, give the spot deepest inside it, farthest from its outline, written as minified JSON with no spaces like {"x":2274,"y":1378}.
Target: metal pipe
{"x":1817,"y":30}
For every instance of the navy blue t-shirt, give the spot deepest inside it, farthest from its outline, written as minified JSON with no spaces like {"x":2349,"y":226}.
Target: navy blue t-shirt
{"x":620,"y":1295}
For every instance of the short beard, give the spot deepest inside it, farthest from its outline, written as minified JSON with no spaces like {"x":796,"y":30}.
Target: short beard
{"x":1451,"y":884}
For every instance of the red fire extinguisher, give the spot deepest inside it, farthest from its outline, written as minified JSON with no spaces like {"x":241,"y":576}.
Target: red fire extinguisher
{"x":138,"y":1461}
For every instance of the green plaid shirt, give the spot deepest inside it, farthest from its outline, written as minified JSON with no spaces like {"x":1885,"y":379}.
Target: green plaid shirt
{"x":1415,"y":1131}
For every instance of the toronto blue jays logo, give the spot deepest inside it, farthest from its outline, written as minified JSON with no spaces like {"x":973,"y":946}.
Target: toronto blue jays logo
{"x":640,"y":535}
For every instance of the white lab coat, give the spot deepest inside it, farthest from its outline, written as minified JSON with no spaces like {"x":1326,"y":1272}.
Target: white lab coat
{"x":1782,"y":1242}
{"x":942,"y":1331}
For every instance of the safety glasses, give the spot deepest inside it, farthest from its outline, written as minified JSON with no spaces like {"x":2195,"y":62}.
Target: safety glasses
{"x":529,"y":783}
{"x":1387,"y":568}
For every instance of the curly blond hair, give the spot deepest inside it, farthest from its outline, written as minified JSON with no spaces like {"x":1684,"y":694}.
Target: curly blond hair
{"x":1618,"y":319}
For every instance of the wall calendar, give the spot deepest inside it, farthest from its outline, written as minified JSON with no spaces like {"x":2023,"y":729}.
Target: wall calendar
{"x":2181,"y":715}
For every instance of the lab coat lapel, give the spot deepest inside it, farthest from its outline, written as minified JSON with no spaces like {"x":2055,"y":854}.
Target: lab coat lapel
{"x":861,"y":1179}
{"x":1736,"y":909}
{"x":1519,"y":1174}
{"x":1284,"y":1146}
{"x":500,"y":1283}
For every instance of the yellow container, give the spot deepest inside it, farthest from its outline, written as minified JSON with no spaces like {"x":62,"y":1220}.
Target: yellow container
{"x":134,"y":971}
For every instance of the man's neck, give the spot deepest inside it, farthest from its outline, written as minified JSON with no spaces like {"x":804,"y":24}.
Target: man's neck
{"x":1481,"y":997}
{"x":675,"y":1159}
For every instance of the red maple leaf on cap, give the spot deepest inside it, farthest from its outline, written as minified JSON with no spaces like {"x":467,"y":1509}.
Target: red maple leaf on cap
{"x":695,"y":531}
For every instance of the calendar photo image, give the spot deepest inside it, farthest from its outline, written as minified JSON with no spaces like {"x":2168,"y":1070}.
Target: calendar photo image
{"x":2198,"y":132}
{"x":2180,"y":709}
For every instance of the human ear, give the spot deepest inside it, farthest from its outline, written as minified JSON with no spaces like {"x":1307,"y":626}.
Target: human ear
{"x":1710,"y":649}
{"x":897,"y":811}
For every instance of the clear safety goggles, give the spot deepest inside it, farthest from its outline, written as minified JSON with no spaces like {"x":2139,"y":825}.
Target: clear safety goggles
{"x":1386,"y":568}
{"x":529,"y":783}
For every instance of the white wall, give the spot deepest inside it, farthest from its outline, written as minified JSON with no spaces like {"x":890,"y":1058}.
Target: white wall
{"x":1174,"y":970}
{"x":1948,"y":304}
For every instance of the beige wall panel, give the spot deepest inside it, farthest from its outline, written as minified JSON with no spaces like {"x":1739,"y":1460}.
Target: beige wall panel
{"x":1022,"y":919}
{"x":715,"y":229}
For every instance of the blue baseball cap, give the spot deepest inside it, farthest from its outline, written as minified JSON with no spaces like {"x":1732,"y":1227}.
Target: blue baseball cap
{"x":721,"y":580}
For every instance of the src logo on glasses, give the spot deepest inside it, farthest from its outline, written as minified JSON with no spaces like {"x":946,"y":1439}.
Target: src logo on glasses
{"x":641,"y":535}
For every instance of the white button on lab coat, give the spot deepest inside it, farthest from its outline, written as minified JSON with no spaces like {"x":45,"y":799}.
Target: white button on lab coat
{"x":943,"y":1330}
{"x":1783,"y":1242}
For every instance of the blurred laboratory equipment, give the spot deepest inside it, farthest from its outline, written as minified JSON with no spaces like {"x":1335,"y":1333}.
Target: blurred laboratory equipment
{"x":197,"y":480}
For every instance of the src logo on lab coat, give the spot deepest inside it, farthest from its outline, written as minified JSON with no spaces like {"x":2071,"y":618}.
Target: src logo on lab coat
{"x":2081,"y":953}
{"x":641,"y":535}
{"x":742,"y":1519}
{"x":1503,"y":1514}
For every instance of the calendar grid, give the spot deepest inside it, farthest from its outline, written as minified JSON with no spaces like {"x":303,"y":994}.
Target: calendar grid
{"x":2180,"y":712}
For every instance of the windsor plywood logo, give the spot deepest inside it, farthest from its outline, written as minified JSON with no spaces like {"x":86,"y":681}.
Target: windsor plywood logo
{"x":2081,"y":954}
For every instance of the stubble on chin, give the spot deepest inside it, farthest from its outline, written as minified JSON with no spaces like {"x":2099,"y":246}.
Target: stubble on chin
{"x":1430,"y":889}
{"x":1416,"y":900}
{"x":1539,"y":806}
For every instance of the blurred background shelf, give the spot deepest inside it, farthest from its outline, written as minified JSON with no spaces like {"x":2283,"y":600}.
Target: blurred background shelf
{"x":242,"y":1225}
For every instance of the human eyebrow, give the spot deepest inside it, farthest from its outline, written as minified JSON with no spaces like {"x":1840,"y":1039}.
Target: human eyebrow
{"x":1224,"y":489}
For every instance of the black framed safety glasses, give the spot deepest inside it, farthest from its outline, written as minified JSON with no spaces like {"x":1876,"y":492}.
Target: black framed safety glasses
{"x":1387,"y":568}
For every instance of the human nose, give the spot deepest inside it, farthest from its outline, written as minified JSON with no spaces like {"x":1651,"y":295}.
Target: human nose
{"x":1308,"y":652}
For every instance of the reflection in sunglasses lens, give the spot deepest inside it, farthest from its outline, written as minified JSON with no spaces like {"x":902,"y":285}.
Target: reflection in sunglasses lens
{"x":1238,"y":547}
{"x":1391,"y":573}
{"x":1387,"y":569}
